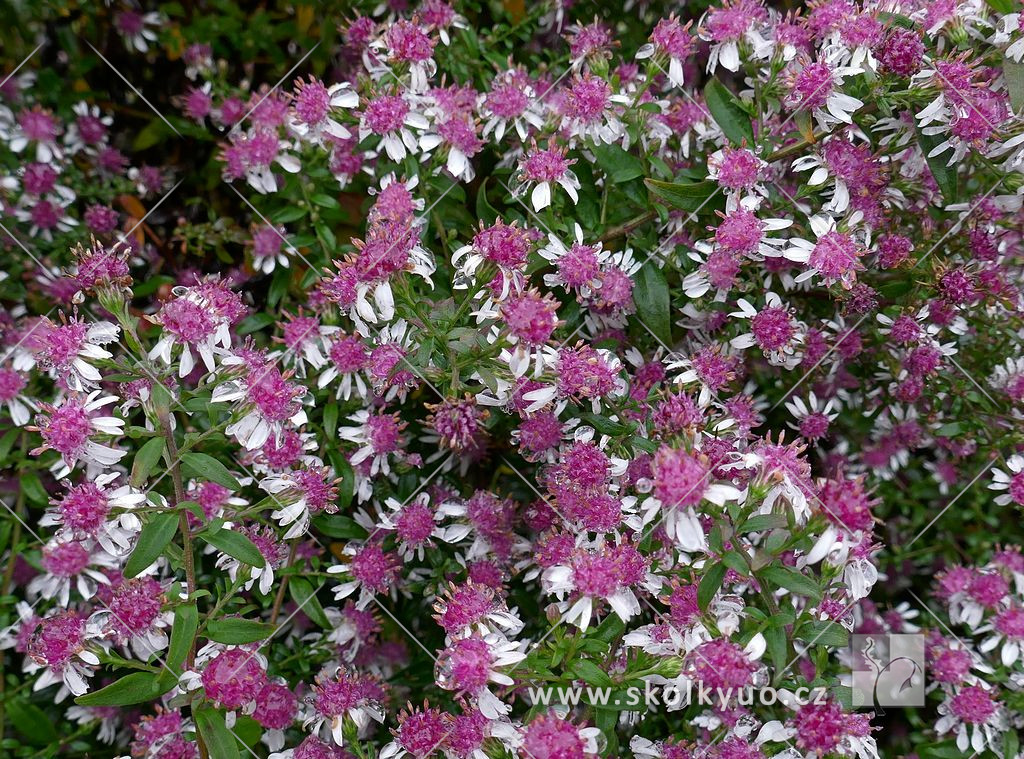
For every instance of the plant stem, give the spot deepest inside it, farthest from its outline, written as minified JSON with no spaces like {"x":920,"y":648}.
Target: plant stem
{"x":624,"y":229}
{"x":188,"y":558}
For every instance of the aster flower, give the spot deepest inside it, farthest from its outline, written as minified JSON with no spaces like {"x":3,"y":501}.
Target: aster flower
{"x":58,"y":645}
{"x":682,"y":481}
{"x":591,"y":576}
{"x":511,"y":103}
{"x":198,"y":319}
{"x":467,"y":665}
{"x":269,"y":402}
{"x":68,"y":349}
{"x":67,"y":429}
{"x":313,"y":104}
{"x":542,"y":168}
{"x":816,"y":87}
{"x":344,"y":694}
{"x":71,"y":563}
{"x":728,"y":27}
{"x":577,"y":267}
{"x":253,"y":155}
{"x":270,"y":248}
{"x":19,"y":406}
{"x":1012,"y":482}
{"x":773,"y":329}
{"x":471,"y":607}
{"x":549,"y":734}
{"x":132,"y":617}
{"x":391,"y":118}
{"x":669,"y":41}
{"x":371,"y":570}
{"x":274,"y":553}
{"x":977,"y":719}
{"x":347,"y":358}
{"x":135,"y":28}
{"x":416,"y":526}
{"x":300,"y":494}
{"x":91,"y":510}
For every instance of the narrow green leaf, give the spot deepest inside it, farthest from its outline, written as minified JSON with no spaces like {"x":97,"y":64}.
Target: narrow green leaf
{"x":33,"y":488}
{"x":762,"y":522}
{"x":147,"y":457}
{"x":289,"y":213}
{"x":220,"y":743}
{"x":591,"y":674}
{"x":330,"y":419}
{"x":155,"y":536}
{"x":709,"y":584}
{"x":304,"y":595}
{"x":619,"y":165}
{"x":1013,"y":73}
{"x":686,"y":196}
{"x":945,"y":176}
{"x":775,"y":638}
{"x":339,"y":527}
{"x":484,"y":209}
{"x":824,"y":634}
{"x":235,"y":631}
{"x":136,"y":688}
{"x":793,"y":581}
{"x":236,"y":545}
{"x":652,"y":301}
{"x":728,"y":112}
{"x":183,"y":634}
{"x":31,"y":721}
{"x":208,"y":468}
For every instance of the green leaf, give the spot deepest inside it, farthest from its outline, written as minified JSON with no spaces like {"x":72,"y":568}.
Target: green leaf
{"x":136,"y":688}
{"x":304,"y":595}
{"x":945,"y":176}
{"x":153,"y":539}
{"x":33,"y":488}
{"x":236,"y":545}
{"x":339,"y":527}
{"x":824,"y":634}
{"x":762,"y":522}
{"x":289,"y":213}
{"x":686,"y":196}
{"x":183,"y":635}
{"x":590,"y":673}
{"x":728,"y":112}
{"x":709,"y":584}
{"x":484,"y":209}
{"x":1011,"y":743}
{"x":1002,"y":7}
{"x":205,"y":467}
{"x":254,"y":322}
{"x":652,"y":301}
{"x":606,"y":426}
{"x":619,"y":165}
{"x":31,"y":721}
{"x":793,"y":581}
{"x":775,"y":639}
{"x":944,"y":750}
{"x":1013,"y":73}
{"x":330,"y":419}
{"x":147,"y":457}
{"x":324,"y":200}
{"x":235,"y":631}
{"x":220,"y":743}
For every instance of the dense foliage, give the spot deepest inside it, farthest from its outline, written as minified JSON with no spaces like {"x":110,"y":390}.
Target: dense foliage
{"x":368,"y":368}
